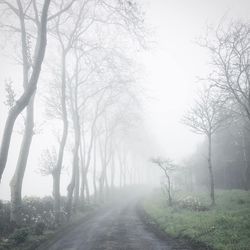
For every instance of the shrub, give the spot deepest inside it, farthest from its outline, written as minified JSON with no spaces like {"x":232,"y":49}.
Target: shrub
{"x":240,"y":201}
{"x":36,"y":210}
{"x":5,"y":226}
{"x":19,"y":235}
{"x":39,"y":228}
{"x":191,"y":203}
{"x":36,"y":213}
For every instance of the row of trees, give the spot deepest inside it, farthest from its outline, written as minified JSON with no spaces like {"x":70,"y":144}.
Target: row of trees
{"x":88,"y":92}
{"x":221,"y":111}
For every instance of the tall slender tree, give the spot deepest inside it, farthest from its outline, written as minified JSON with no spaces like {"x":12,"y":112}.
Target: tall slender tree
{"x":206,"y":117}
{"x":30,"y":83}
{"x":230,"y":55}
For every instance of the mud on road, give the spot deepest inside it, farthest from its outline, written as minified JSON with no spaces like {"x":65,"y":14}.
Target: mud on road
{"x":116,"y":227}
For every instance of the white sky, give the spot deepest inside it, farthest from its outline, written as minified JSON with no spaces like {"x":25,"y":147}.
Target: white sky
{"x":172,"y":67}
{"x":176,"y":62}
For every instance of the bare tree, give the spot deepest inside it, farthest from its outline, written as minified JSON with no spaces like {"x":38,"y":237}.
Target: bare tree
{"x":47,"y":162}
{"x":167,"y":166}
{"x":68,"y":30}
{"x":206,"y":117}
{"x":28,"y":14}
{"x":230,"y":56}
{"x":74,"y":85}
{"x":94,"y":169}
{"x":31,"y":82}
{"x":122,"y":157}
{"x":74,"y":183}
{"x":88,"y":148}
{"x":31,"y":72}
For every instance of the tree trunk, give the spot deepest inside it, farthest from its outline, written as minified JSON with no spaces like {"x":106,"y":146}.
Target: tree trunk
{"x":168,"y":186}
{"x":82,"y":193}
{"x":24,"y":100}
{"x":77,"y":185}
{"x":17,"y":179}
{"x":82,"y":196}
{"x":86,"y":187}
{"x":102,"y":176}
{"x":106,"y":184}
{"x":103,"y":181}
{"x":71,"y":186}
{"x":247,"y":176}
{"x":169,"y":190}
{"x":86,"y":165}
{"x":211,"y":169}
{"x":246,"y":151}
{"x":58,"y":168}
{"x":112,"y":172}
{"x":56,"y":195}
{"x":94,"y":171}
{"x":75,"y":168}
{"x":121,"y":168}
{"x":101,"y":186}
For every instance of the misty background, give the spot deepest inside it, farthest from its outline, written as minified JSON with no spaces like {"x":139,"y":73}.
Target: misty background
{"x":168,"y":72}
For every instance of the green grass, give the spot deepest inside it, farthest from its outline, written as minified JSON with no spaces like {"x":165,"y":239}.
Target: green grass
{"x":223,"y":227}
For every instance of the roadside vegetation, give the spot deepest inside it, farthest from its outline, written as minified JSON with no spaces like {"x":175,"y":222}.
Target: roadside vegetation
{"x":37,"y":224}
{"x":74,"y":82}
{"x":88,"y":103}
{"x":225,"y":226}
{"x":221,"y":114}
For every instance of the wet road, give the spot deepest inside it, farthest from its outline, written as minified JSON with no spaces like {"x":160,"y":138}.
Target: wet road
{"x":114,"y":227}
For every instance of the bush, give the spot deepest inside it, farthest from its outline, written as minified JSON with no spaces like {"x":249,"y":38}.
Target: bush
{"x":191,"y":203}
{"x":20,"y":235}
{"x":36,"y":214}
{"x":36,"y":210}
{"x":39,"y":228}
{"x":5,"y":226}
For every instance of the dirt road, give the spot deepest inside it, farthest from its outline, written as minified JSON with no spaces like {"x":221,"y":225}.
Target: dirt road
{"x":116,"y":227}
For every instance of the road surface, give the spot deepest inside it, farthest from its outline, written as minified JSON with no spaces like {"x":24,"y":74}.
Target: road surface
{"x":116,"y":227}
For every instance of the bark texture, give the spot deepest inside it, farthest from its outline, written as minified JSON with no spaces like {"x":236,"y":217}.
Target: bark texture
{"x":24,"y":100}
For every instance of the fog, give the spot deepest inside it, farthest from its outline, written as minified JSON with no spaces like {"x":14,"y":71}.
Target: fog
{"x":121,"y":118}
{"x":168,"y":73}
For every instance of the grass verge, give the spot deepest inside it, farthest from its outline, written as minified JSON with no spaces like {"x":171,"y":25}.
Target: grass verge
{"x":223,"y":227}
